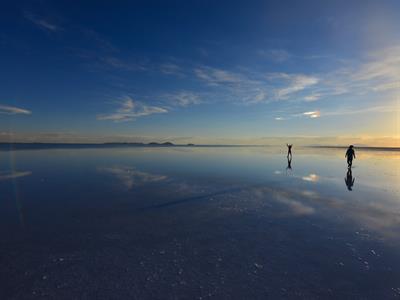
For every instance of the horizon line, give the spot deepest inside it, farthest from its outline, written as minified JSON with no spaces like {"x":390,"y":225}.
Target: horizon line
{"x":168,"y":144}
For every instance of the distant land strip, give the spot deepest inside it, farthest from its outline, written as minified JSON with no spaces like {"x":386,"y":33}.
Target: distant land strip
{"x":371,"y":148}
{"x":39,"y":146}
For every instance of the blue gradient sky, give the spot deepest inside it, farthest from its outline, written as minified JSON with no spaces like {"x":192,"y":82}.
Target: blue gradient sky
{"x":199,"y":71}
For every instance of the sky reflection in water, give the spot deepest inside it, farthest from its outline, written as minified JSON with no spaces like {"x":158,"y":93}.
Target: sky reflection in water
{"x":196,"y":221}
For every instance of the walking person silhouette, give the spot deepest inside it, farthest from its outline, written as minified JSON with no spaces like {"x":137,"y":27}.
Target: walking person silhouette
{"x":289,"y":151}
{"x":350,"y":154}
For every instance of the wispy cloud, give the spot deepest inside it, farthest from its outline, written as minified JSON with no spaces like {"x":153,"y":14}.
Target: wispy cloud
{"x":261,"y":96}
{"x":214,"y":76}
{"x":312,"y":114}
{"x":308,"y":114}
{"x":132,"y":64}
{"x":377,"y":71}
{"x":251,"y":87}
{"x":387,"y":86}
{"x":352,"y":111}
{"x":382,"y":64}
{"x":294,"y":83}
{"x":98,"y":40}
{"x":376,"y":74}
{"x":41,"y":22}
{"x":312,"y":97}
{"x":184,"y":98}
{"x":12,"y":110}
{"x":239,"y":87}
{"x":129,"y":110}
{"x":275,"y":55}
{"x":171,"y":69}
{"x":341,"y":112}
{"x":118,"y":63}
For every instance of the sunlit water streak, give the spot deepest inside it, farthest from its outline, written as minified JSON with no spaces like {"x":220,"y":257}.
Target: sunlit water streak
{"x":13,"y":176}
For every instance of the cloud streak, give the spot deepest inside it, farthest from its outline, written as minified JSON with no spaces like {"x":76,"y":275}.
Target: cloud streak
{"x":341,"y":112}
{"x":41,"y":22}
{"x":382,"y":64}
{"x":249,"y":87}
{"x":214,"y":76}
{"x":312,"y":114}
{"x":171,"y":69}
{"x":312,"y":97}
{"x":297,"y":82}
{"x":184,"y":99}
{"x":12,"y":110}
{"x":376,"y":72}
{"x":349,"y":111}
{"x":275,"y":55}
{"x":129,"y":110}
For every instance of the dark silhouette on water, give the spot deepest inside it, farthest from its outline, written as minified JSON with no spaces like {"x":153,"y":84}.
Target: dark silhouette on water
{"x":349,"y":180}
{"x":350,"y":154}
{"x":289,"y":150}
{"x":289,"y":163}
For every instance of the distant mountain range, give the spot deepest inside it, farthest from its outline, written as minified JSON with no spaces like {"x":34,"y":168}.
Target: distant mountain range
{"x":143,"y":144}
{"x":33,"y":146}
{"x":22,"y":146}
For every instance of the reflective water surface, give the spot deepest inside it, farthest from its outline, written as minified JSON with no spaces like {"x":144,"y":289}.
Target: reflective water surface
{"x":199,"y":222}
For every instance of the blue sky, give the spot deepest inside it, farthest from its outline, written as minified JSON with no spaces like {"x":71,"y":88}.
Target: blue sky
{"x":199,"y":71}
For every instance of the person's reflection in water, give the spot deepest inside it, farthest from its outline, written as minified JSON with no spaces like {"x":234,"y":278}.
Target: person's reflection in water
{"x":289,"y":164}
{"x":349,"y":180}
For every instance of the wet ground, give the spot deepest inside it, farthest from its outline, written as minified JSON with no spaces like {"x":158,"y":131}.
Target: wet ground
{"x":199,"y":223}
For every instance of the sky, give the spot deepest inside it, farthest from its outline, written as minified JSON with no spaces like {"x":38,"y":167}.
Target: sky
{"x":206,"y":72}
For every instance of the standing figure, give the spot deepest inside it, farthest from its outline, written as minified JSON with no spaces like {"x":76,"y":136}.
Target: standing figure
{"x":289,"y":150}
{"x":350,"y":155}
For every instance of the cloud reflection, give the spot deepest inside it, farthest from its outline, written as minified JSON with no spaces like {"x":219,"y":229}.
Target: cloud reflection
{"x":130,"y":177}
{"x":366,"y":212}
{"x":12,"y":175}
{"x":311,"y":177}
{"x":296,"y":207}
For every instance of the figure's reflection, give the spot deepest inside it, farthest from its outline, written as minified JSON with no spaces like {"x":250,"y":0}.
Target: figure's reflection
{"x":349,"y":180}
{"x":289,"y":163}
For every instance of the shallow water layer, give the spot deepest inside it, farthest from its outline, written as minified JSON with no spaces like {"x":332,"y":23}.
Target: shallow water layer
{"x":195,"y":223}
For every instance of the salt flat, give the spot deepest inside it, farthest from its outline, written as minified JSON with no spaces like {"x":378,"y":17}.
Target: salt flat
{"x":199,"y":222}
